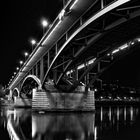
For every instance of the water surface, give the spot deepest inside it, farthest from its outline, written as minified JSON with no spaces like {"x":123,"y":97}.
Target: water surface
{"x":106,"y":123}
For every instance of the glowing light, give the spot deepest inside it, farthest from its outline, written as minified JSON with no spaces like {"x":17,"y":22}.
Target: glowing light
{"x":21,"y":62}
{"x":125,"y":98}
{"x":101,"y":117}
{"x":110,"y":113}
{"x":17,"y":68}
{"x":51,"y":32}
{"x":82,"y":83}
{"x":26,"y":53}
{"x":61,"y":15}
{"x":11,"y":131}
{"x":91,"y":61}
{"x":131,"y":113}
{"x":115,"y":51}
{"x":101,"y":97}
{"x":125,"y":113}
{"x":44,"y":22}
{"x":138,"y":39}
{"x":33,"y":41}
{"x":73,"y":4}
{"x":132,"y":43}
{"x":83,"y":65}
{"x":95,"y":90}
{"x":80,"y":66}
{"x":118,"y":113}
{"x":41,"y":112}
{"x":34,"y":127}
{"x":123,"y":46}
{"x":95,"y":133}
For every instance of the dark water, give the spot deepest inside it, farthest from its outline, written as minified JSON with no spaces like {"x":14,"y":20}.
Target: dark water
{"x":107,"y":123}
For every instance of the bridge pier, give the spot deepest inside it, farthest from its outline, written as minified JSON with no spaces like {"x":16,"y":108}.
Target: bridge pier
{"x":60,"y":101}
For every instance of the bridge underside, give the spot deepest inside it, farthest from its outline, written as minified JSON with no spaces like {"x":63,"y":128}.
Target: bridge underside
{"x":81,"y":44}
{"x":79,"y":55}
{"x":90,"y":52}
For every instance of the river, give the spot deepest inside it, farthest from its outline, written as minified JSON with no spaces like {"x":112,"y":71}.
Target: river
{"x":106,"y":123}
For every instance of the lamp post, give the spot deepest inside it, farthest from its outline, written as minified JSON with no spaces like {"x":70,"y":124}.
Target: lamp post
{"x":44,"y":24}
{"x":26,"y":54}
{"x":33,"y":42}
{"x":17,"y":68}
{"x":20,"y":62}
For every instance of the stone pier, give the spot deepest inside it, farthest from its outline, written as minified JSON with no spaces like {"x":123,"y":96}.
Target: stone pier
{"x":60,"y":101}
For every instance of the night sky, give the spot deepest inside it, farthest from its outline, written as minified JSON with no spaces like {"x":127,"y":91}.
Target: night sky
{"x":126,"y":70}
{"x":20,"y":20}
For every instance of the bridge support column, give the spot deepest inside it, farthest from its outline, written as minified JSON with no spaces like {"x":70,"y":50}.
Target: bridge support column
{"x":10,"y":95}
{"x":41,"y":69}
{"x":60,"y":101}
{"x":36,"y":70}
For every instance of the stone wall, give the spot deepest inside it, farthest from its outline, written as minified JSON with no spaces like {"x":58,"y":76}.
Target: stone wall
{"x":76,"y":101}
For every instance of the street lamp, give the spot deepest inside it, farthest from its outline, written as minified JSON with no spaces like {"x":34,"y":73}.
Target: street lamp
{"x":20,"y":62}
{"x":26,"y":54}
{"x":17,"y":68}
{"x":44,"y":24}
{"x":33,"y":42}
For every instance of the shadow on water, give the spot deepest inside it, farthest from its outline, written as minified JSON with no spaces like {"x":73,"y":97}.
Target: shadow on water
{"x":106,"y":123}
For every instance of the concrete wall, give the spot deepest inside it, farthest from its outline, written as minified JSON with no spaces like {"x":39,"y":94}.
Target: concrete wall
{"x":76,"y":101}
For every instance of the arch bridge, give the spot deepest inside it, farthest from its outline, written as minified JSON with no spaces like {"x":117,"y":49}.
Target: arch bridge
{"x":85,"y":39}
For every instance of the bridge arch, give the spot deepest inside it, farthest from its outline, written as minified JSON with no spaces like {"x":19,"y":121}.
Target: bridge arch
{"x":35,"y":78}
{"x":89,"y":21}
{"x":16,"y":92}
{"x":98,"y":15}
{"x":30,"y":82}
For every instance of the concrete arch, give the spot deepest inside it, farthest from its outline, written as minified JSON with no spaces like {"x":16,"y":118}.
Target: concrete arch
{"x":35,"y":78}
{"x":88,"y":22}
{"x":16,"y":89}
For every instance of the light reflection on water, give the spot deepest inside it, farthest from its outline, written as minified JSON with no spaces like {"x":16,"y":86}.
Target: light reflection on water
{"x":106,"y":122}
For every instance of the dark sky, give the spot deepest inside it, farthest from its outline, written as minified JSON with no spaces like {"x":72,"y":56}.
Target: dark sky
{"x":126,"y":70}
{"x":20,"y":20}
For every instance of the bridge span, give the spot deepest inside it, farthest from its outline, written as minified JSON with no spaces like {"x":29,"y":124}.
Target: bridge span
{"x":83,"y":41}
